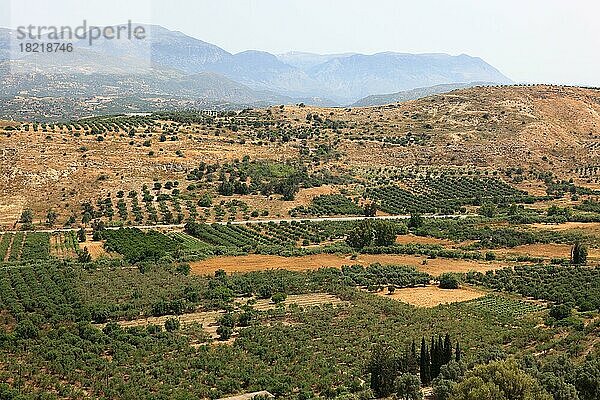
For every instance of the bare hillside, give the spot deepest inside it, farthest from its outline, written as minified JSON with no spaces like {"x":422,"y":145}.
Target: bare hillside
{"x":539,"y":128}
{"x":544,"y":127}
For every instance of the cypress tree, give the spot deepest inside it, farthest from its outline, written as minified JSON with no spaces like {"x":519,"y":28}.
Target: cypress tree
{"x":432,"y":357}
{"x":447,"y":349}
{"x":413,"y":357}
{"x":457,"y":352}
{"x":437,"y":353}
{"x":441,"y":356}
{"x":424,"y":364}
{"x":578,"y":254}
{"x":432,"y":352}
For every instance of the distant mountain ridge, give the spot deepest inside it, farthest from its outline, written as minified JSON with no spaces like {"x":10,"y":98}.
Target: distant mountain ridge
{"x":361,"y":75}
{"x":329,"y":79}
{"x":306,"y":61}
{"x":414,"y":94}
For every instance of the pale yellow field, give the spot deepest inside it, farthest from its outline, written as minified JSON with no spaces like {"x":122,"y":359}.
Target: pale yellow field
{"x":588,"y":226}
{"x":410,"y":238}
{"x":551,"y":250}
{"x":431,"y":296}
{"x":96,"y":249}
{"x":256,"y":262}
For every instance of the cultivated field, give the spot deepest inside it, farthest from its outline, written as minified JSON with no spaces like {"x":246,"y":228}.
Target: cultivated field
{"x":258,"y":262}
{"x":550,"y":250}
{"x":410,"y":238}
{"x":431,"y":296}
{"x":64,"y":245}
{"x":479,"y":131}
{"x":95,"y":248}
{"x":504,"y":181}
{"x":566,"y":226}
{"x":208,"y":319}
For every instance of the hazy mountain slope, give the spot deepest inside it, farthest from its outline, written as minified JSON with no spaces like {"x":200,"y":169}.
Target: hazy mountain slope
{"x":123,"y":68}
{"x":165,"y":48}
{"x":315,"y":79}
{"x":537,"y":128}
{"x":413,"y":94}
{"x":86,"y":61}
{"x":262,"y":70}
{"x":5,"y":38}
{"x":305,"y":61}
{"x":216,"y":87}
{"x":204,"y":85}
{"x":362,"y":75}
{"x":343,"y":78}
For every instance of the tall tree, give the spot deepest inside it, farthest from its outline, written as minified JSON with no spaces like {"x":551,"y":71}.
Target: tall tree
{"x":384,"y":233}
{"x":51,"y":217}
{"x":435,"y":360}
{"x":440,"y":355}
{"x":415,"y":221}
{"x":412,"y":358}
{"x":447,"y":349}
{"x":84,"y":256}
{"x":361,"y":236}
{"x":457,"y":353}
{"x":370,"y":209}
{"x":424,"y":364}
{"x":383,"y":371}
{"x":579,"y":254}
{"x":81,"y":235}
{"x":26,"y":217}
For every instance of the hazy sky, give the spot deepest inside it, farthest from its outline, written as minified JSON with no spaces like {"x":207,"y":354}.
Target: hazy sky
{"x":556,"y":41}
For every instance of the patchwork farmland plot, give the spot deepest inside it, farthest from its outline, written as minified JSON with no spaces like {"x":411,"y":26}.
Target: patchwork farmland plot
{"x":269,"y":233}
{"x":505,"y":307}
{"x":431,"y":296}
{"x":229,"y":236}
{"x":5,"y":242}
{"x":25,"y":246}
{"x":332,"y":204}
{"x":136,"y":245}
{"x":189,"y":242}
{"x":41,"y":288}
{"x":209,"y":319}
{"x":64,"y":245}
{"x":36,"y":246}
{"x":443,"y":195}
{"x":16,"y":246}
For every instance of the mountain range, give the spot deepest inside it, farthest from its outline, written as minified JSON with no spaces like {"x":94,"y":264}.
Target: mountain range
{"x":414,"y":94}
{"x":172,"y":64}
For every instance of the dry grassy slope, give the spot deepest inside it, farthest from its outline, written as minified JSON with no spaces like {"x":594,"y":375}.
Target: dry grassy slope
{"x":487,"y":126}
{"x":544,"y":127}
{"x":5,"y":123}
{"x":45,"y":170}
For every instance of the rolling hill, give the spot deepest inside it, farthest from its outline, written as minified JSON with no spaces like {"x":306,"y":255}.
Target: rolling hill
{"x":536,"y":128}
{"x":413,"y":94}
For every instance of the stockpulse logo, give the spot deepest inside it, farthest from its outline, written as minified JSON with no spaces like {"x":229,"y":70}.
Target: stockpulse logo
{"x":54,"y":38}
